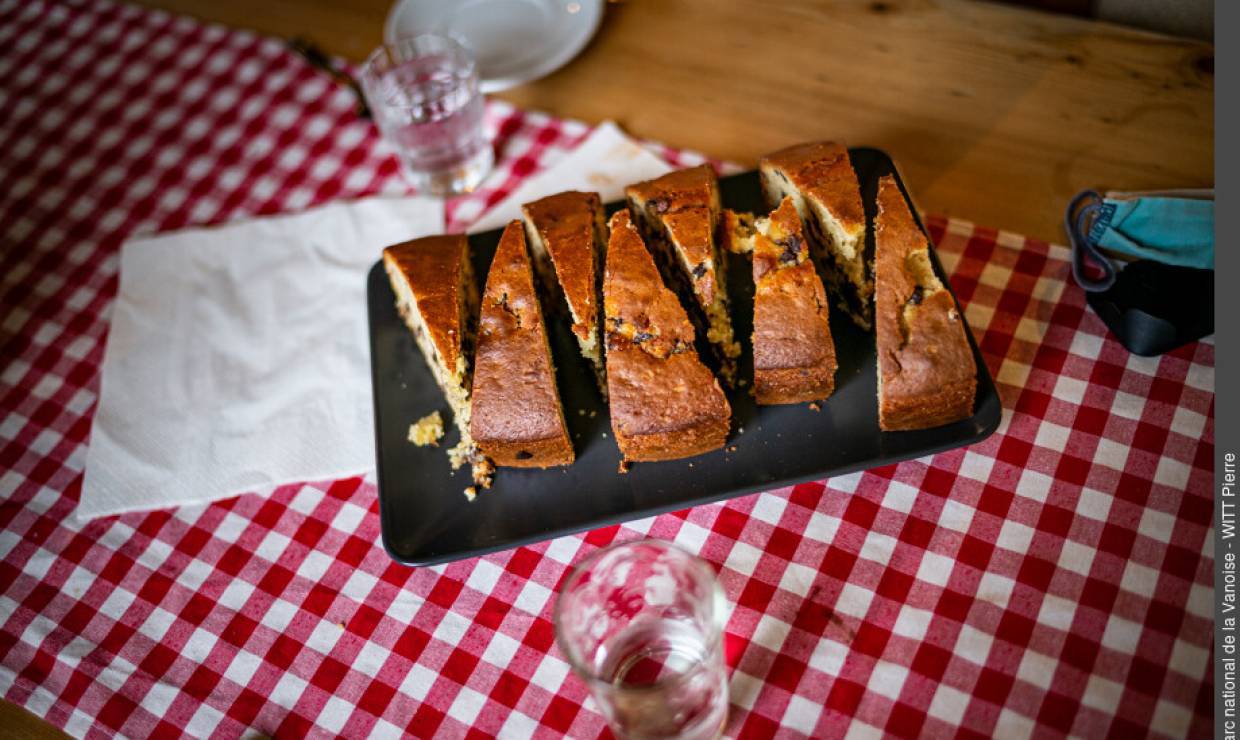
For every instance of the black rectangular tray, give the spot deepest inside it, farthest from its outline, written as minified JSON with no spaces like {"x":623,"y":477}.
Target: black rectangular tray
{"x":426,"y":519}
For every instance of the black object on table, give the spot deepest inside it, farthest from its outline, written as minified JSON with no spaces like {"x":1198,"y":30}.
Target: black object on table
{"x":426,"y":519}
{"x":1152,"y":308}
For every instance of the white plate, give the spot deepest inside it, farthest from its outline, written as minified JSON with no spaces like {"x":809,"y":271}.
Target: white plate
{"x":514,"y":41}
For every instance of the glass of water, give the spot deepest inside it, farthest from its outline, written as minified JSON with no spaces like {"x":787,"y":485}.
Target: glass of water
{"x":642,"y":623}
{"x":423,"y":93}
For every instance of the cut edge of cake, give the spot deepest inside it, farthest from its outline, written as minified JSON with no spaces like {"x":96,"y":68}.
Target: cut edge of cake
{"x":927,"y":374}
{"x":820,"y":178}
{"x":415,"y":270}
{"x":665,"y":404}
{"x":553,"y":237}
{"x":679,"y":216}
{"x":794,"y":353}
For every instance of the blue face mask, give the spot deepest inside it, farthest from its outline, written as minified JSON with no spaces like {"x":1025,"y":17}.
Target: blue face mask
{"x":1173,"y":227}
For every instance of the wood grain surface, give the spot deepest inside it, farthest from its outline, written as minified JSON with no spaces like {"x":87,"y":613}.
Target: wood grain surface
{"x":996,"y":114}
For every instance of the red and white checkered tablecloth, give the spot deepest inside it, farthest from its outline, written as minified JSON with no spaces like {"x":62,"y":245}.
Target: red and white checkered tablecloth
{"x":1052,"y":579}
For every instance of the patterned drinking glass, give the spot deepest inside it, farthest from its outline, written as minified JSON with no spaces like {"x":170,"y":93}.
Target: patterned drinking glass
{"x":642,"y":623}
{"x":423,"y":93}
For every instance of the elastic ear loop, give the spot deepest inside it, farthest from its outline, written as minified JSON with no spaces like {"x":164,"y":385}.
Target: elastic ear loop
{"x":1077,"y":223}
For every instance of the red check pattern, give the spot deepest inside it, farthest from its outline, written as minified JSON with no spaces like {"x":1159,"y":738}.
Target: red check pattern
{"x":1053,"y":579}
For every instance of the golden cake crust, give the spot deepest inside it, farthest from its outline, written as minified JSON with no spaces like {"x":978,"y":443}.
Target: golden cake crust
{"x":566,"y":222}
{"x":664,"y":402}
{"x":692,"y":186}
{"x":517,"y":417}
{"x":927,"y":375}
{"x":432,"y":266}
{"x":664,"y":409}
{"x":686,"y":202}
{"x":823,"y":171}
{"x":794,"y":354}
{"x":636,"y":302}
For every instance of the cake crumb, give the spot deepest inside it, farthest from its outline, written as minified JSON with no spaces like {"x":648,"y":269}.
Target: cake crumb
{"x":480,"y":467}
{"x":483,"y":470}
{"x":427,"y":431}
{"x":604,"y":435}
{"x":742,"y":383}
{"x":624,"y":467}
{"x":732,"y":448}
{"x":593,"y":414}
{"x":740,"y":430}
{"x":460,"y":454}
{"x":737,"y":231}
{"x":581,"y":412}
{"x":815,"y":406}
{"x":471,"y":493}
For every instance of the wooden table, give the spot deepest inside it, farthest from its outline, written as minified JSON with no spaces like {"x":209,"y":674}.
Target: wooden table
{"x":995,"y":114}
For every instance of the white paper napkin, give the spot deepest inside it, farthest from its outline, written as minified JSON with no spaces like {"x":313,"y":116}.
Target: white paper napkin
{"x":238,"y":357}
{"x":605,"y":163}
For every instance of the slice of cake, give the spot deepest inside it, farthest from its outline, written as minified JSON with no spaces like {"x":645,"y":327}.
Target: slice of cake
{"x":566,"y":234}
{"x":823,"y":185}
{"x":436,"y":295}
{"x":665,"y":403}
{"x":793,"y":354}
{"x":517,"y":418}
{"x":679,"y":214}
{"x":926,"y":373}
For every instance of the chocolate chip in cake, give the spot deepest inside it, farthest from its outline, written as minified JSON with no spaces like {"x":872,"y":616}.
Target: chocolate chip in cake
{"x":642,"y":336}
{"x":658,"y":205}
{"x":792,"y":249}
{"x":523,"y":455}
{"x":699,"y":271}
{"x":918,"y":294}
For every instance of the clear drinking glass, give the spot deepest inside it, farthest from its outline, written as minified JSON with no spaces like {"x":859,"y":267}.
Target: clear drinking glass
{"x":642,"y":623}
{"x":423,"y":93}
